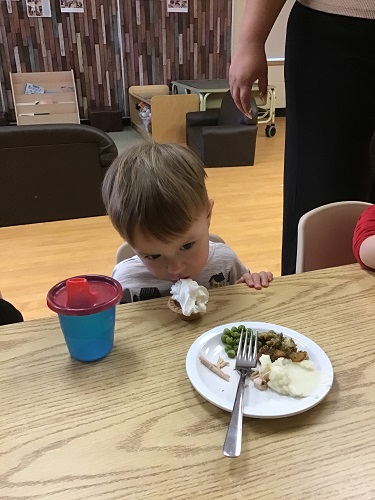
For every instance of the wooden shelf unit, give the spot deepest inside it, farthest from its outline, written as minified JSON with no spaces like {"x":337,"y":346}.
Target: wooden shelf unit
{"x":168,"y":112}
{"x":53,"y":106}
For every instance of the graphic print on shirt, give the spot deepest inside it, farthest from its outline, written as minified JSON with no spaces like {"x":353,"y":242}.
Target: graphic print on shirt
{"x":145,"y":293}
{"x":218,"y":280}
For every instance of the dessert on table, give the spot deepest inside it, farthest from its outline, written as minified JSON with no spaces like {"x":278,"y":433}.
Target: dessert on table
{"x":189,"y":300}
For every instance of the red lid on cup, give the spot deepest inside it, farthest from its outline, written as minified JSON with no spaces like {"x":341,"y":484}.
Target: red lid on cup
{"x":84,"y":295}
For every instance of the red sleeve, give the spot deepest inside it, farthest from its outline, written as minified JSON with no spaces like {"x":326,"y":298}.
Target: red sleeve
{"x":365,"y":227}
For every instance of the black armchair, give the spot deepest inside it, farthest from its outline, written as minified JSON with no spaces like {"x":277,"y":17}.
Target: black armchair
{"x":52,"y":172}
{"x":224,"y":137}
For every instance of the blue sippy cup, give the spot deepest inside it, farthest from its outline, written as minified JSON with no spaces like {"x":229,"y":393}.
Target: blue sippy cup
{"x":86,"y":306}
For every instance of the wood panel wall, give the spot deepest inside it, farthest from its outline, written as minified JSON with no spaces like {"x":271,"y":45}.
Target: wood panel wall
{"x":115,"y":44}
{"x":159,"y":47}
{"x":85,"y":42}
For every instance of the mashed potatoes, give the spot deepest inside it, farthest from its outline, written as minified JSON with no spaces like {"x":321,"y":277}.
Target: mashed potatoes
{"x":289,"y":378}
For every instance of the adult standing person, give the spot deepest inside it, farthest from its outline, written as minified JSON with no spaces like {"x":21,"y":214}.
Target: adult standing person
{"x":330,"y":100}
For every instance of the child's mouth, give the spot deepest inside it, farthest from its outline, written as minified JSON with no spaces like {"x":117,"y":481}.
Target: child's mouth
{"x":182,"y":278}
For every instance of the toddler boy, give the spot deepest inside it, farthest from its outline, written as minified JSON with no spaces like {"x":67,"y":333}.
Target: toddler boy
{"x":156,"y":198}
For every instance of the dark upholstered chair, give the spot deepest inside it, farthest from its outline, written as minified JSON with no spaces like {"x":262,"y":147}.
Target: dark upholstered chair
{"x":52,"y":172}
{"x":224,"y":137}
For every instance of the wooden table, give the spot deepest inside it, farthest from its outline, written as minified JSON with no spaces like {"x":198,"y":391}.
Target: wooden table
{"x":204,"y":89}
{"x":132,"y":426}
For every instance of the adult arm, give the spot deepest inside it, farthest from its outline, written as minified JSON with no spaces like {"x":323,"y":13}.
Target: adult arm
{"x":249,"y":62}
{"x":364,"y":239}
{"x":367,"y":252}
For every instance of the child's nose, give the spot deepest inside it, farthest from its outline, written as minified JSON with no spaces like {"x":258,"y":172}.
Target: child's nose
{"x":175,"y":266}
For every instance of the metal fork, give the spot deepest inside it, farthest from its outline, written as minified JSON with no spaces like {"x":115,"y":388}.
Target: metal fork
{"x":246,"y":360}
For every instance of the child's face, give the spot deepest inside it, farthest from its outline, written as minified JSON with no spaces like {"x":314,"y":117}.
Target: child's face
{"x":183,"y":257}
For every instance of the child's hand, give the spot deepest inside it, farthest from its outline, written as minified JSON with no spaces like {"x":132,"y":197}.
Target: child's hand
{"x":256,"y":280}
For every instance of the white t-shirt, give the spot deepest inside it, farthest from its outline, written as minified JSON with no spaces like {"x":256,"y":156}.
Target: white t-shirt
{"x":222,"y":268}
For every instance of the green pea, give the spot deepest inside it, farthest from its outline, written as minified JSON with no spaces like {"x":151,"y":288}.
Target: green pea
{"x":227,"y":331}
{"x":231,"y":354}
{"x":224,"y":338}
{"x":242,"y":328}
{"x":234,"y":329}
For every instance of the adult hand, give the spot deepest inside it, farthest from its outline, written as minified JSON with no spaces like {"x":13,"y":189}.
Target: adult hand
{"x":256,"y":280}
{"x":249,"y":64}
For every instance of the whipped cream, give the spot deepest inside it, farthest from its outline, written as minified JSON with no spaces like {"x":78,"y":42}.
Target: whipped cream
{"x":191,"y":296}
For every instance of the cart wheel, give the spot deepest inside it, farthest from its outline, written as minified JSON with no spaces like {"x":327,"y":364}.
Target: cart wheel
{"x":270,"y":130}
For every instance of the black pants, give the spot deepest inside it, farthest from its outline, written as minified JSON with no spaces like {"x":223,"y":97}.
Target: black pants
{"x":8,"y":313}
{"x":330,"y":115}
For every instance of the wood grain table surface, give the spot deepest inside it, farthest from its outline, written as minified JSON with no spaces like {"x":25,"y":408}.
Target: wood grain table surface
{"x":132,"y":426}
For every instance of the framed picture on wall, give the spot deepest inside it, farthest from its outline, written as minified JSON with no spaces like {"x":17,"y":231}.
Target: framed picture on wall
{"x":177,"y":5}
{"x":71,"y":5}
{"x":38,"y":8}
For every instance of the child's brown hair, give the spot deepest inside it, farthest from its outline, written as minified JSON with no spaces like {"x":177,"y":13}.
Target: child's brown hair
{"x":158,"y":189}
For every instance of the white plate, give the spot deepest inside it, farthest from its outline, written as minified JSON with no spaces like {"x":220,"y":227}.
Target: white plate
{"x":258,"y":404}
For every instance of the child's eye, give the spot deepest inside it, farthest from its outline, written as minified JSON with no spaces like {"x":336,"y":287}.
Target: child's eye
{"x":152,"y":257}
{"x":187,"y":246}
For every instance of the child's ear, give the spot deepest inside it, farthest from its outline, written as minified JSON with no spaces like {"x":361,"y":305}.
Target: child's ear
{"x":210,"y":206}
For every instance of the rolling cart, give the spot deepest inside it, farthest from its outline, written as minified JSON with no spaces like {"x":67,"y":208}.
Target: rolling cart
{"x":266,"y":112}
